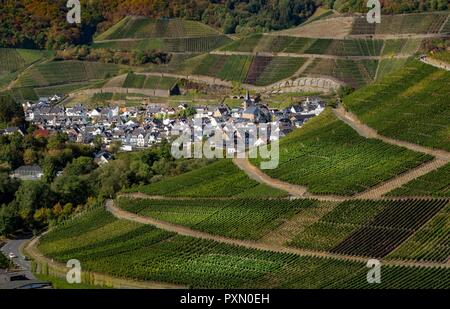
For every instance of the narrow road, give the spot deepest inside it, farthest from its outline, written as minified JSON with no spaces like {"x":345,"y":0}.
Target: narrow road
{"x":185,"y":231}
{"x":14,"y":246}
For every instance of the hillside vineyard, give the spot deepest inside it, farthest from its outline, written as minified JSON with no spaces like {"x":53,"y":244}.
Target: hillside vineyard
{"x":230,"y":145}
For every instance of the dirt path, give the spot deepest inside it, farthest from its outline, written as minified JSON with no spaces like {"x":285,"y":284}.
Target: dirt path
{"x":60,"y":270}
{"x":185,"y":231}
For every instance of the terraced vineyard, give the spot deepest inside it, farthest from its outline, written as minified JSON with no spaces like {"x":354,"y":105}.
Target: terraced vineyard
{"x":236,"y":218}
{"x":125,"y":249}
{"x":411,"y":104}
{"x":12,"y":60}
{"x":430,"y":243}
{"x":368,"y":228}
{"x":176,"y":45}
{"x":63,"y":72}
{"x":401,"y":24}
{"x":142,"y":28}
{"x":401,"y":47}
{"x":389,"y":66}
{"x":435,"y":183}
{"x":232,"y":68}
{"x":141,"y":81}
{"x":353,"y":73}
{"x":276,"y":44}
{"x":329,"y":157}
{"x":278,"y":69}
{"x":134,"y":81}
{"x":219,"y":179}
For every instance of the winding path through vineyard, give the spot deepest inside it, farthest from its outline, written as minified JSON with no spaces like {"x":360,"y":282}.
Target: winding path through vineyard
{"x":442,"y":157}
{"x":185,"y":231}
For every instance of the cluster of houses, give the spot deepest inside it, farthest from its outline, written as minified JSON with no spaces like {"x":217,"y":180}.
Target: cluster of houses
{"x":141,"y":127}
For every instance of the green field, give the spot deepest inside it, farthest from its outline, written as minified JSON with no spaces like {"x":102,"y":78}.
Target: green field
{"x":64,"y":72}
{"x":142,"y":28}
{"x":374,"y":228}
{"x":125,"y":249}
{"x":329,"y":157}
{"x":354,"y":73}
{"x":435,"y":183}
{"x":410,"y":104}
{"x":219,"y":179}
{"x":236,"y":218}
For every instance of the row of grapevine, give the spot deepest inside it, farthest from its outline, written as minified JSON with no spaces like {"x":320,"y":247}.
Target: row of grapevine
{"x":141,"y":27}
{"x":435,"y":183}
{"x":329,"y":157}
{"x":134,"y":251}
{"x":422,"y":23}
{"x":176,"y":45}
{"x":410,"y":104}
{"x":353,"y":73}
{"x":371,"y":228}
{"x":130,"y":250}
{"x":236,"y":218}
{"x":12,"y":60}
{"x":219,"y":179}
{"x":287,"y":44}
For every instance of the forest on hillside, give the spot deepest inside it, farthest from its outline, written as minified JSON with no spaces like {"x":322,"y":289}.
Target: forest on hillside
{"x":42,"y":23}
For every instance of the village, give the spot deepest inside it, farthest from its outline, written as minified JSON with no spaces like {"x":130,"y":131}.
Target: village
{"x":134,"y":128}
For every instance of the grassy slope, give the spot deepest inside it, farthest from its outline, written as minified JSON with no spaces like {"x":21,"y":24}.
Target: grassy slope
{"x":411,"y":104}
{"x":331,"y":158}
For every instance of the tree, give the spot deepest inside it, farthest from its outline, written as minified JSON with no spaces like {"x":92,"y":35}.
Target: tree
{"x":33,"y":195}
{"x":10,"y":109}
{"x":8,"y":187}
{"x":30,"y":156}
{"x":9,"y":219}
